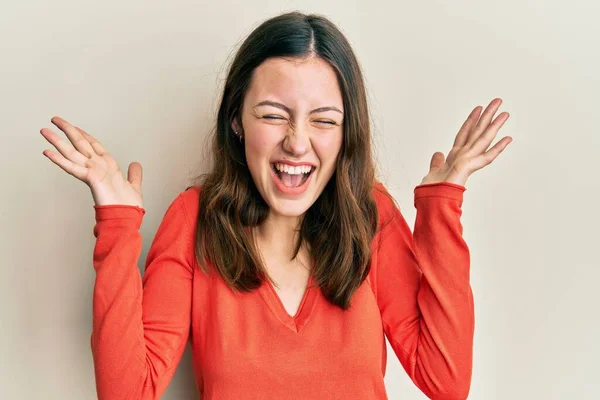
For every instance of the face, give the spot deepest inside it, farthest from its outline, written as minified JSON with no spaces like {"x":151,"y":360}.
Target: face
{"x":292,"y":120}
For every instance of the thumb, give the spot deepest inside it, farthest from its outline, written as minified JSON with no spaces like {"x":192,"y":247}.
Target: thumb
{"x":437,"y":160}
{"x":134,"y":175}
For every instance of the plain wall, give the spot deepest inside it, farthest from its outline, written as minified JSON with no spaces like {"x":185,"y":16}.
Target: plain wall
{"x":144,"y":77}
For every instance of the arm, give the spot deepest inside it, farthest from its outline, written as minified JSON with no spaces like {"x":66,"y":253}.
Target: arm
{"x":423,"y":290}
{"x":140,"y":326}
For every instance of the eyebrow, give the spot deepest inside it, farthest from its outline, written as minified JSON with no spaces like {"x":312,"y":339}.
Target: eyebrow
{"x":289,"y":111}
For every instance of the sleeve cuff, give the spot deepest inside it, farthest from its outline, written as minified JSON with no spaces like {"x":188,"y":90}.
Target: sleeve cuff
{"x":447,"y":190}
{"x":119,"y":211}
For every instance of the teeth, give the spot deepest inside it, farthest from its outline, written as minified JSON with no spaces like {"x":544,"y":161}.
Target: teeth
{"x":289,"y":169}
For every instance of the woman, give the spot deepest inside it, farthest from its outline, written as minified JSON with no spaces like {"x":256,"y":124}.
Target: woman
{"x":287,"y":263}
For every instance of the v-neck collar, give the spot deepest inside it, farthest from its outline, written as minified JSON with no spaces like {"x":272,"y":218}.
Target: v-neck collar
{"x":297,"y":322}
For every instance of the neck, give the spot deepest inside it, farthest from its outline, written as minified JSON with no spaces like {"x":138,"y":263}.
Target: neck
{"x":279,"y":234}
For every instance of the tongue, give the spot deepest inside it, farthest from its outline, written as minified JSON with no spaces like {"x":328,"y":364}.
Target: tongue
{"x":291,"y":180}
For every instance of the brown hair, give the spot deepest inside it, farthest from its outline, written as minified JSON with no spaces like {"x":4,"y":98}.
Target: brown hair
{"x":339,"y":226}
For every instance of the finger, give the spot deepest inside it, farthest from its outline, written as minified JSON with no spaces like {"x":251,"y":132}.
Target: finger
{"x":484,"y":141}
{"x":484,"y":121}
{"x":96,"y":145}
{"x":437,"y":160}
{"x":67,"y":151}
{"x":489,"y":156}
{"x":68,"y":166}
{"x":74,"y":136}
{"x":463,"y":132}
{"x":134,"y":175}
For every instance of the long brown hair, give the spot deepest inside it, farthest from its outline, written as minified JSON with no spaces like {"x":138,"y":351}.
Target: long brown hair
{"x":339,"y":226}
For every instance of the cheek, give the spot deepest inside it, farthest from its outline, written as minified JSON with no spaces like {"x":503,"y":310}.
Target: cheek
{"x":327,"y":148}
{"x":259,"y":146}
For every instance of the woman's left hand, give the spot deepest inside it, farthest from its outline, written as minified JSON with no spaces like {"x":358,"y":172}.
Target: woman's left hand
{"x":470,"y":150}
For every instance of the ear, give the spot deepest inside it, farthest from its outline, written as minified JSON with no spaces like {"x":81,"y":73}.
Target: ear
{"x":235,"y":125}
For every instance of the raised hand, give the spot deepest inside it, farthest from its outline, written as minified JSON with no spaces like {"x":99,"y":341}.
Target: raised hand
{"x":88,"y":161}
{"x":470,"y":150}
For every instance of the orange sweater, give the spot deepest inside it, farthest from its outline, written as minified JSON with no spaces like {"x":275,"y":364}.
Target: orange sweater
{"x":246,"y":346}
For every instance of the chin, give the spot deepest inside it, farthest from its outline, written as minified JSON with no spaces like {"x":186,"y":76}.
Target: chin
{"x":288,"y":207}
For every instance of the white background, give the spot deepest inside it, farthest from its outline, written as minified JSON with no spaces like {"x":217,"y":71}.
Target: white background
{"x":144,"y":77}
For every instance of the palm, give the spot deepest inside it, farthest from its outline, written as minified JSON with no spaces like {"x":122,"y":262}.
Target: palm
{"x":103,"y":171}
{"x":470,"y":151}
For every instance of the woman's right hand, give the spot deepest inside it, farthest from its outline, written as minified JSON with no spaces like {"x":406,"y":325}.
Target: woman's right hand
{"x":89,"y":162}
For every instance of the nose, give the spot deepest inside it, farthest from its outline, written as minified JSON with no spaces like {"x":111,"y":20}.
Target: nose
{"x":297,"y":141}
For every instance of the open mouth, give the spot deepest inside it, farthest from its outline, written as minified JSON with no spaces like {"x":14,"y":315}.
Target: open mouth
{"x":292,"y":176}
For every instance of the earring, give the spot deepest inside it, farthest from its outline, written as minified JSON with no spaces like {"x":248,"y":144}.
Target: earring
{"x":238,"y":135}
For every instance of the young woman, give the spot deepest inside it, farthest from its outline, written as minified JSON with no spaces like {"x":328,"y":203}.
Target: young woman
{"x":288,"y":262}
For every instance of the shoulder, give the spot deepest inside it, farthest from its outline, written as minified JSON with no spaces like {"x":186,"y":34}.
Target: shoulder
{"x":386,"y":204}
{"x":189,"y":200}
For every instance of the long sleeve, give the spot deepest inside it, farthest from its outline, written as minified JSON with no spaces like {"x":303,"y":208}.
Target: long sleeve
{"x":140,"y":325}
{"x":423,"y":290}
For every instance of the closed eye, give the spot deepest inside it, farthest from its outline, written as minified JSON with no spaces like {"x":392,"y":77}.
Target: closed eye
{"x":274,"y":117}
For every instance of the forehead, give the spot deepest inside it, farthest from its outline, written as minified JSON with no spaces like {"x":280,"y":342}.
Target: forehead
{"x":296,"y":82}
